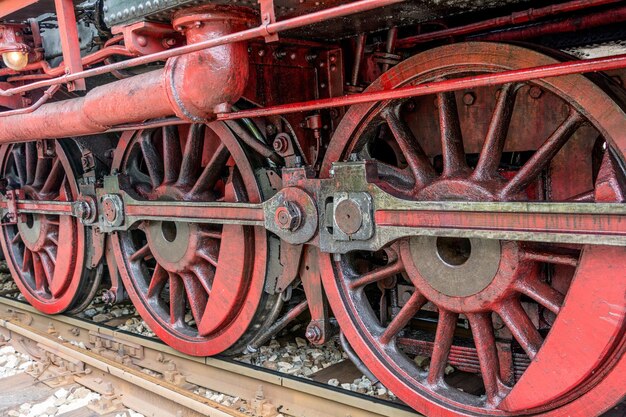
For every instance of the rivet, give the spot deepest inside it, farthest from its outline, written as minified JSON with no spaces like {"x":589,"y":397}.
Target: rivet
{"x":469,"y":99}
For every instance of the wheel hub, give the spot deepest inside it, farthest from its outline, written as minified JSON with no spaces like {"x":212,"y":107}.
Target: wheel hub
{"x":463,"y":275}
{"x":456,"y":267}
{"x":173,"y":244}
{"x":34,"y":230}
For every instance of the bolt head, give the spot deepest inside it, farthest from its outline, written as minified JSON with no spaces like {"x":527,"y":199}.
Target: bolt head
{"x":313,"y":333}
{"x":469,"y":99}
{"x":535,"y":92}
{"x":288,"y":216}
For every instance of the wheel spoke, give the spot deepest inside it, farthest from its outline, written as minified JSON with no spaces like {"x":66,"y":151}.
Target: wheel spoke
{"x":377,"y":275}
{"x":522,"y":328}
{"x":172,"y":154}
{"x":51,"y":255}
{"x":177,"y":299}
{"x":211,"y":173}
{"x":408,"y":311}
{"x":152,"y":160}
{"x":31,"y":162}
{"x":20,"y":163}
{"x":551,"y":257}
{"x":140,"y":254}
{"x":48,"y":267}
{"x":542,"y":157}
{"x":157,"y":282}
{"x":192,"y":156}
{"x":207,"y":256}
{"x":42,"y":171}
{"x":418,"y":162}
{"x":196,"y":295}
{"x":213,"y":234}
{"x":17,"y":238}
{"x":451,"y":137}
{"x":441,"y":347}
{"x":27,"y":260}
{"x":542,"y":293}
{"x":205,"y":273}
{"x":41,"y":281}
{"x":491,"y":153}
{"x":55,"y":178}
{"x":484,"y":339}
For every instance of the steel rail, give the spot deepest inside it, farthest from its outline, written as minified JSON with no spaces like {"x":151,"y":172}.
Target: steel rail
{"x":470,"y":82}
{"x":127,"y":353}
{"x":257,"y":32}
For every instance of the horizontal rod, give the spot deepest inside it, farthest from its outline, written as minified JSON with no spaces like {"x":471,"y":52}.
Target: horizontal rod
{"x":216,"y":213}
{"x":522,"y":17}
{"x":482,"y":80}
{"x":245,"y":35}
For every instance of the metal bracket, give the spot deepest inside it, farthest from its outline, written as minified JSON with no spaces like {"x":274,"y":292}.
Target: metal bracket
{"x":11,"y":215}
{"x":268,"y":16}
{"x":318,"y":330}
{"x":46,"y":148}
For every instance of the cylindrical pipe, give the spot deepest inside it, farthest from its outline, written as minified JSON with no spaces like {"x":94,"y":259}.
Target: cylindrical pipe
{"x":571,"y":24}
{"x":239,"y":36}
{"x":526,"y":16}
{"x":192,"y":86}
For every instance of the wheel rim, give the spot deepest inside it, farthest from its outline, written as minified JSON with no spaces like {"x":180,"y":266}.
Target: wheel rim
{"x":51,"y":276}
{"x":170,"y":269}
{"x":475,"y":278}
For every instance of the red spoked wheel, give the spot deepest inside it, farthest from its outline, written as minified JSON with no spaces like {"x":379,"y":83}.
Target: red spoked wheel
{"x":529,"y":328}
{"x":47,"y":254}
{"x":199,"y":287}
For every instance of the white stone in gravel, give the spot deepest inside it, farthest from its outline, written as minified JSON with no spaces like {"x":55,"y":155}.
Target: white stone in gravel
{"x":346,"y":386}
{"x":61,"y":393}
{"x":77,"y":403}
{"x":334,"y":382}
{"x":301,"y":342}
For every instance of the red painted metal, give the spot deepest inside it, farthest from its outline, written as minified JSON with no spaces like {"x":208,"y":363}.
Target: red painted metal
{"x":542,"y":389}
{"x":219,"y":271}
{"x":47,"y":95}
{"x":245,"y":35}
{"x":183,"y":88}
{"x":50,"y":274}
{"x":101,"y":104}
{"x":48,"y":72}
{"x":572,"y":24}
{"x":461,"y":83}
{"x":8,"y":7}
{"x":68,"y":31}
{"x":516,"y":18}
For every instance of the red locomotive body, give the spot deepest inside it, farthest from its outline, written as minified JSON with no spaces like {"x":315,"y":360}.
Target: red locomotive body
{"x":447,"y":176}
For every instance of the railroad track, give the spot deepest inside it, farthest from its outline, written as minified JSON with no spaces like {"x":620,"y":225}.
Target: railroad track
{"x":153,"y":379}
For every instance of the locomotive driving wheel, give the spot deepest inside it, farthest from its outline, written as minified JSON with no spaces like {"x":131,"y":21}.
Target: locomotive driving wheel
{"x":526,"y":328}
{"x":199,"y":287}
{"x":47,"y":253}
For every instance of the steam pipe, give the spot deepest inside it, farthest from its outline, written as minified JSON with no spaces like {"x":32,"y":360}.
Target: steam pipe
{"x":193,"y":87}
{"x":229,"y":38}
